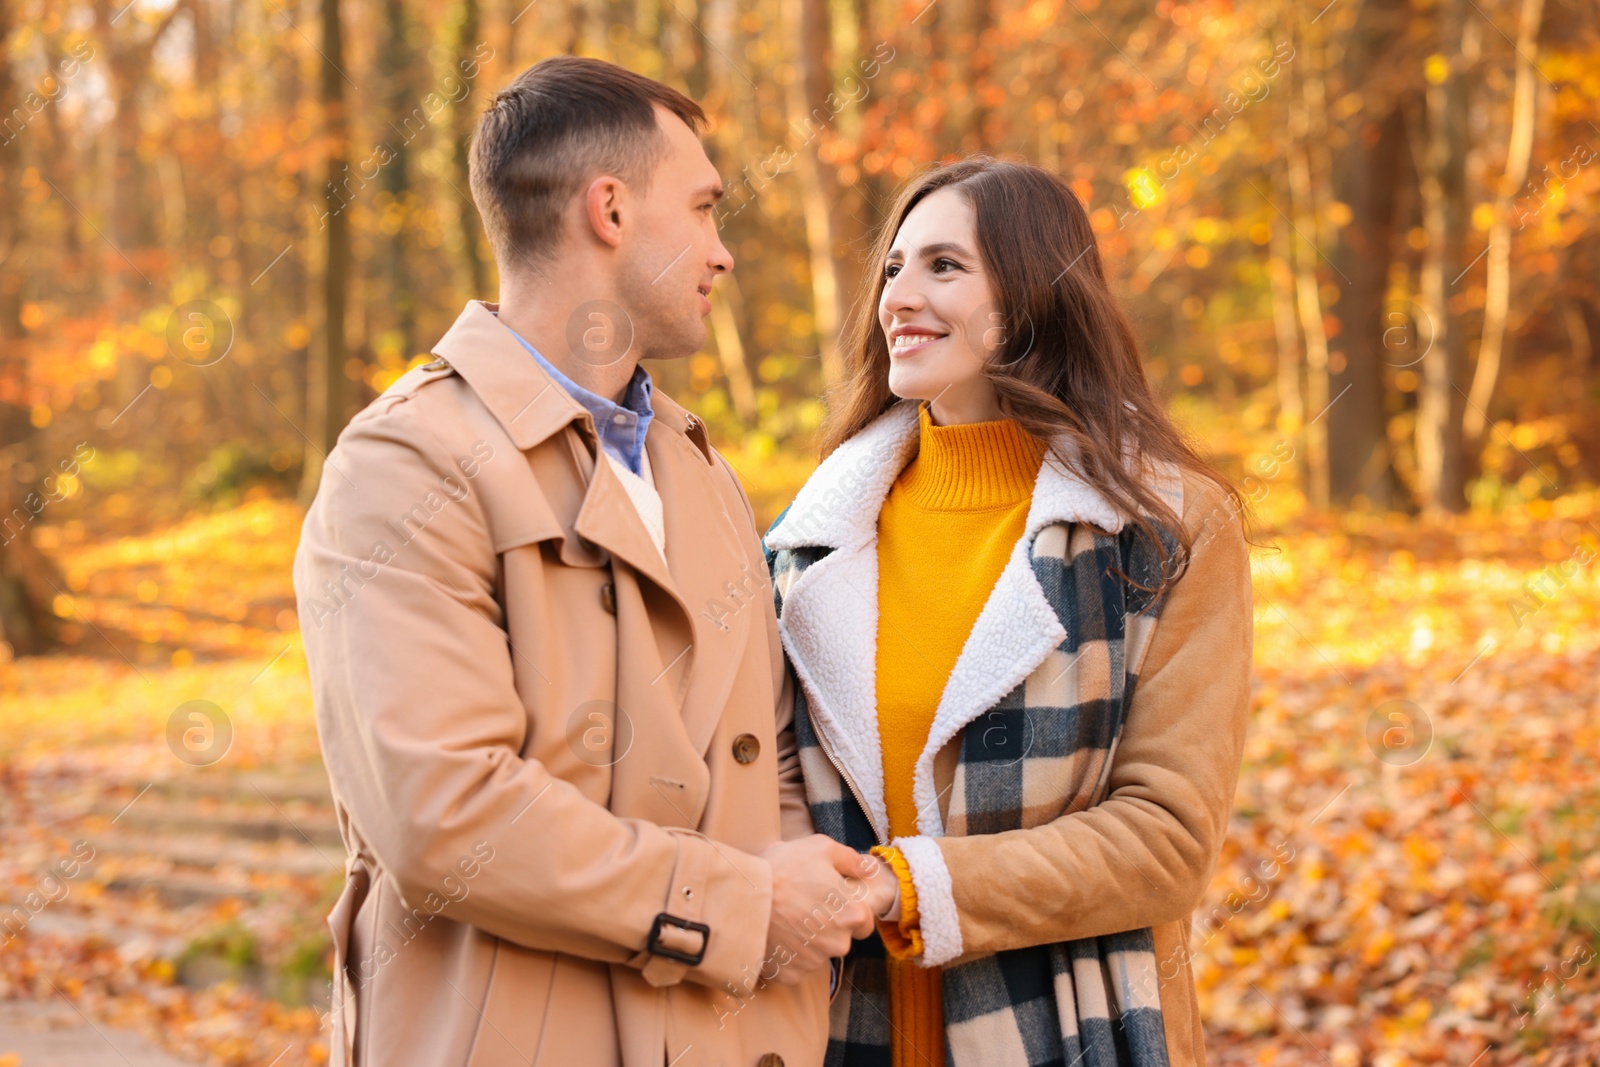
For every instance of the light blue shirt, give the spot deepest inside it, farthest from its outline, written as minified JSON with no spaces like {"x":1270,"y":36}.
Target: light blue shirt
{"x":621,"y":426}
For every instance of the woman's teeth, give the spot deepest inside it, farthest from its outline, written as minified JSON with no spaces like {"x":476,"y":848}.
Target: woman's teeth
{"x":908,"y":340}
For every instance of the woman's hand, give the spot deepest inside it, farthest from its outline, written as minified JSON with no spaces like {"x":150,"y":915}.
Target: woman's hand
{"x":882,"y":888}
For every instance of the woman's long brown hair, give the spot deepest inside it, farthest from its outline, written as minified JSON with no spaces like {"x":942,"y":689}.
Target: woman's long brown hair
{"x":1068,"y":364}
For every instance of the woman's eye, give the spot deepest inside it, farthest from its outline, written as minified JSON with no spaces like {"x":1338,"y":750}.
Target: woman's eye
{"x":891,"y":270}
{"x":941,"y":261}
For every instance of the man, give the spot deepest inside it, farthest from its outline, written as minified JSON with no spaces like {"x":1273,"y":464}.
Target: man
{"x":549,"y":686}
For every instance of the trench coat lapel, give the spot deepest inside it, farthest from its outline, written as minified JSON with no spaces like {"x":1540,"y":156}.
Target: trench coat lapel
{"x":711,"y":568}
{"x":701,"y":625}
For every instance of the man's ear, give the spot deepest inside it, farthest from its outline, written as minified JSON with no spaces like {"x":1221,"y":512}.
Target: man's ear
{"x":605,"y":203}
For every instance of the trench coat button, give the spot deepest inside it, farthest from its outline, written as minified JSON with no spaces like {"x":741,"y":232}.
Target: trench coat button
{"x":771,"y":1059}
{"x":608,"y":598}
{"x":746,"y":747}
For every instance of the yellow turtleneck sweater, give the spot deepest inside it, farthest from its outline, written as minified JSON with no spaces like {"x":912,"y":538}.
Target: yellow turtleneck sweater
{"x":944,"y":535}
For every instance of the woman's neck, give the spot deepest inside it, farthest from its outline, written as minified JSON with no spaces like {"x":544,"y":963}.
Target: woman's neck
{"x":975,"y":401}
{"x":971,"y":466}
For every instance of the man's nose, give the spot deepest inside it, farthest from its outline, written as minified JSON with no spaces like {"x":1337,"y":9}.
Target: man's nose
{"x":721,"y":259}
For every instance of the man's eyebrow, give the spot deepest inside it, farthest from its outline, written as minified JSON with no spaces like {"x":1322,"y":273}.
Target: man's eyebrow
{"x":715,"y":192}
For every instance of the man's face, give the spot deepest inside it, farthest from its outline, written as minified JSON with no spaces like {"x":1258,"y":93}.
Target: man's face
{"x":674,"y":253}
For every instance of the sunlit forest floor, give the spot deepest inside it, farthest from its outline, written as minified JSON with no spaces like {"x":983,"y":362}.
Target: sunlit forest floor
{"x":1410,"y":877}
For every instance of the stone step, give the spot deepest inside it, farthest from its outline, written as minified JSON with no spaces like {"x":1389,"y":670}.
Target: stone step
{"x":134,"y":943}
{"x":182,"y":890}
{"x":296,"y":860}
{"x":309,"y":787}
{"x":55,"y":1031}
{"x":250,"y":823}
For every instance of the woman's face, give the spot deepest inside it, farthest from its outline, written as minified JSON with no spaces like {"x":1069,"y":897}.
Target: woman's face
{"x":938,"y":312}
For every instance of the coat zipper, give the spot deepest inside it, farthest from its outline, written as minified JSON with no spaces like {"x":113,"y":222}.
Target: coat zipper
{"x":837,"y":766}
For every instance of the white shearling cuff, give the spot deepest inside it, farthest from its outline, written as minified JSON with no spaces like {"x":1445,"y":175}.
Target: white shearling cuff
{"x":936,"y":902}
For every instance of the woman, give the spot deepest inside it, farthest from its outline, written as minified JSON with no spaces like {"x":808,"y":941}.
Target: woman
{"x":1023,"y":679}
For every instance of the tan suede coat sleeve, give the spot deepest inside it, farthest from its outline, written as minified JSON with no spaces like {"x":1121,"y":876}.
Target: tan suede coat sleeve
{"x":426,"y":723}
{"x":1145,"y":855}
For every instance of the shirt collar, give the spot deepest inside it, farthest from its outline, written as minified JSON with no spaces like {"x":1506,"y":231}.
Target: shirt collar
{"x":621,"y":426}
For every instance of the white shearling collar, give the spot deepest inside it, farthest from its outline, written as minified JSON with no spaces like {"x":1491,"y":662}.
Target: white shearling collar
{"x":839,"y":505}
{"x":830,"y":610}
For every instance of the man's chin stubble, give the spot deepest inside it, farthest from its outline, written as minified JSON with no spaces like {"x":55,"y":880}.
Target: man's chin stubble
{"x":680,"y":343}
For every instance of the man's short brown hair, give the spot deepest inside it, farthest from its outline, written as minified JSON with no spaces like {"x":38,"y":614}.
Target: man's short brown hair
{"x":561,"y":123}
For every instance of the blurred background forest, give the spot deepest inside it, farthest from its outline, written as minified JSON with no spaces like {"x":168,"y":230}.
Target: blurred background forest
{"x":1359,"y":242}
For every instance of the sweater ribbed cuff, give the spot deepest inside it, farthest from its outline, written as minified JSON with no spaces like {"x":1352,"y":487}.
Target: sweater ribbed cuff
{"x":902,"y":938}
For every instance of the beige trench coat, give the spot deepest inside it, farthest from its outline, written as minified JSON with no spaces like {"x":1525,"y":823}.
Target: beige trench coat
{"x":542,"y":736}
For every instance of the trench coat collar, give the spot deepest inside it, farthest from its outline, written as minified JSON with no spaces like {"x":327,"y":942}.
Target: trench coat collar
{"x":703,"y":554}
{"x":521,"y":395}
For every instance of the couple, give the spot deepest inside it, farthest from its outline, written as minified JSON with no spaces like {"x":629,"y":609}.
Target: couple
{"x":622,"y":785}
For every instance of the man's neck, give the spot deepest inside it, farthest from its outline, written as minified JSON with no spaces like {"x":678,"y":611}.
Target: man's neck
{"x":552,"y":324}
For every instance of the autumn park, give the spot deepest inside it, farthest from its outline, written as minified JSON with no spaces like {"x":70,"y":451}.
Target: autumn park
{"x":1359,"y":244}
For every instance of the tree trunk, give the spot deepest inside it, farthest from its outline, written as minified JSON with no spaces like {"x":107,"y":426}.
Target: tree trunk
{"x":289,"y":267}
{"x":28,"y":578}
{"x":1578,"y":334}
{"x":463,"y":116}
{"x":1369,"y":164}
{"x":514,"y":11}
{"x":1308,"y":297}
{"x":970,"y":116}
{"x":831,"y":225}
{"x":1280,"y":273}
{"x":325,"y":397}
{"x":1497,"y":297}
{"x":395,"y":68}
{"x":726,"y":302}
{"x":126,"y":200}
{"x":67,"y":148}
{"x":691,"y":49}
{"x":1440,"y":466}
{"x":27,"y":625}
{"x":13,"y":366}
{"x":1366,"y":176}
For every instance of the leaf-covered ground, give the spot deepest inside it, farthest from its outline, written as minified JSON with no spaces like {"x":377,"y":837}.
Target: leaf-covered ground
{"x":1410,"y":875}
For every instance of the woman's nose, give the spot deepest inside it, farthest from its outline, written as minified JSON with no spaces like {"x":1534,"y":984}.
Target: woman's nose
{"x":901,"y":293}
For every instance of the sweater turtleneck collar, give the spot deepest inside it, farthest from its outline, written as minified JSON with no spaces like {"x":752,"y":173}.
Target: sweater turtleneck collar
{"x":971,"y":466}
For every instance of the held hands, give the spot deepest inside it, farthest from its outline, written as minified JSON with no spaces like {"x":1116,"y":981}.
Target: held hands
{"x":824,"y":894}
{"x":885,"y":884}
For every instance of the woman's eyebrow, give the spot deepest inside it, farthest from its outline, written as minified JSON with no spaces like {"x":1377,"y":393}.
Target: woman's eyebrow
{"x":945,"y":246}
{"x":938,"y":248}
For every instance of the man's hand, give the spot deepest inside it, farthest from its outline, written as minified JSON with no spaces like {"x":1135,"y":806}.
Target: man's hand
{"x":883,"y":887}
{"x":819,"y":904}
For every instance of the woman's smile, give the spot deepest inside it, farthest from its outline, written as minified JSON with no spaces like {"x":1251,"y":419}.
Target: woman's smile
{"x":906,"y":340}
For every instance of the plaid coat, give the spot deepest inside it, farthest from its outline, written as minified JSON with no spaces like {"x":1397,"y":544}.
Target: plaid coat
{"x":1025,"y":739}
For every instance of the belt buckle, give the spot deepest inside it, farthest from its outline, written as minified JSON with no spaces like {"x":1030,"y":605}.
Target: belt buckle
{"x":655,"y":948}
